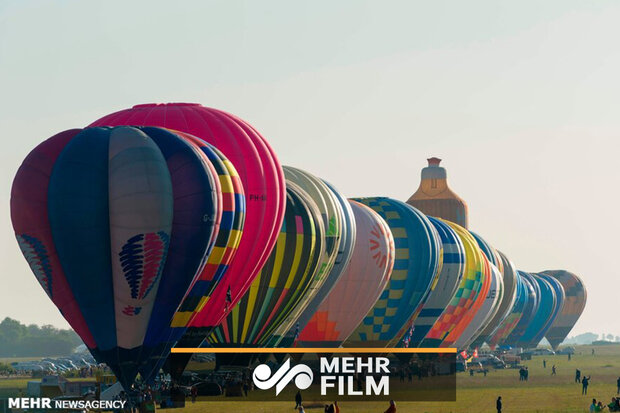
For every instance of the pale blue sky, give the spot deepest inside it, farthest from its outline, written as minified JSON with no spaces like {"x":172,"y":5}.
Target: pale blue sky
{"x":520,"y":99}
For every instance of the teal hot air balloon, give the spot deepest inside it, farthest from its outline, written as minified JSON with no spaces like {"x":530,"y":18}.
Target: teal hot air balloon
{"x":546,"y":308}
{"x":574,"y":303}
{"x":558,"y":292}
{"x":533,"y":301}
{"x":414,"y":275}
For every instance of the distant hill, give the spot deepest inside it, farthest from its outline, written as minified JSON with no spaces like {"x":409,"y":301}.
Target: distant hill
{"x":20,"y":340}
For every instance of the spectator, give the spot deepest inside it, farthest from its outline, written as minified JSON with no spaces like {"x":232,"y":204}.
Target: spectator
{"x":498,"y":404}
{"x":298,"y":399}
{"x":585,"y":382}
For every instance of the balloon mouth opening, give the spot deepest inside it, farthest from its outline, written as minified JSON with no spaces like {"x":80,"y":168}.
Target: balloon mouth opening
{"x":152,"y":105}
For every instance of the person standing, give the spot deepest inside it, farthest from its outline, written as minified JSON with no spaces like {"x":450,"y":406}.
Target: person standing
{"x":544,"y":364}
{"x":585,"y":382}
{"x":569,"y":356}
{"x":498,"y":404}
{"x":298,"y":399}
{"x":553,"y":370}
{"x":194,"y":393}
{"x":577,"y":376}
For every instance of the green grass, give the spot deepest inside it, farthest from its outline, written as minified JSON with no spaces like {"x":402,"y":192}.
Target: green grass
{"x":542,"y":393}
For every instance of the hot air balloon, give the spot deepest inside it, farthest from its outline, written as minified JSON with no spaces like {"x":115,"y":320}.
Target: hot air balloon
{"x":466,"y":294}
{"x":333,"y":217}
{"x":413,"y":277}
{"x":224,"y":249}
{"x":359,"y":286}
{"x":284,"y":280}
{"x":533,"y":302}
{"x":509,"y":323}
{"x":574,"y":303}
{"x":262,"y":179}
{"x":451,"y":275}
{"x":345,"y":252}
{"x":492,"y":299}
{"x":486,"y":311}
{"x":509,"y":295}
{"x":116,"y":224}
{"x":435,"y":198}
{"x":547,"y":310}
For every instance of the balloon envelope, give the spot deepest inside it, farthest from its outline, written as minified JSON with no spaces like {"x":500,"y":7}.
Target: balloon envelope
{"x":345,"y":253}
{"x":333,"y":219}
{"x":509,"y":323}
{"x":529,"y":311}
{"x":261,"y":176}
{"x":451,"y":275}
{"x":116,"y":223}
{"x":574,"y":303}
{"x":359,"y":286}
{"x":284,"y":280}
{"x":509,"y":274}
{"x":415,"y":272}
{"x":466,"y":294}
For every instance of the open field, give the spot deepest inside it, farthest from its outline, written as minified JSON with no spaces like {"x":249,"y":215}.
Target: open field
{"x":542,"y":393}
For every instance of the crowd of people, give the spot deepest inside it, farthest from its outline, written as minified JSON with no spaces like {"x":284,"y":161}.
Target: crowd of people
{"x":614,"y":406}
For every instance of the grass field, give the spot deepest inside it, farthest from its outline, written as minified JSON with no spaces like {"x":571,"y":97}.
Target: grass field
{"x":477,"y":394}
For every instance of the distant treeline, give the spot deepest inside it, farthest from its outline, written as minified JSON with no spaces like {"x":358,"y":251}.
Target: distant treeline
{"x":20,"y":340}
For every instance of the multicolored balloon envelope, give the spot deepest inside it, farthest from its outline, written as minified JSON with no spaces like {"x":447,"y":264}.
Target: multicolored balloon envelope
{"x":345,"y":252}
{"x":492,"y":299}
{"x":574,"y":303}
{"x":486,"y":311}
{"x":452,"y":271}
{"x":415,"y":273}
{"x":359,"y":286}
{"x":529,"y":312}
{"x":333,"y":220}
{"x":509,"y":323}
{"x":263,"y":183}
{"x":220,"y":258}
{"x":455,"y":316}
{"x":284,"y":281}
{"x":508,"y":298}
{"x":116,"y":224}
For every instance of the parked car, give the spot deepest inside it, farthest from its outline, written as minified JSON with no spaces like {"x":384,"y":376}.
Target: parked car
{"x":542,"y":352}
{"x":566,"y":350}
{"x":489,"y":360}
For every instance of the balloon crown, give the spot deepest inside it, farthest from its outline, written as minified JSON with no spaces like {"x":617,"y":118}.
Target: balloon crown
{"x":153,"y":105}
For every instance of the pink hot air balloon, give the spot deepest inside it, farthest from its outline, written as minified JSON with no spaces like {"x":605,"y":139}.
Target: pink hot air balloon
{"x":360,"y":285}
{"x":260,"y":173}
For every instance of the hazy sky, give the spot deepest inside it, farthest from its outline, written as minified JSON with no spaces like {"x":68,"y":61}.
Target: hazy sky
{"x":520,"y":100}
